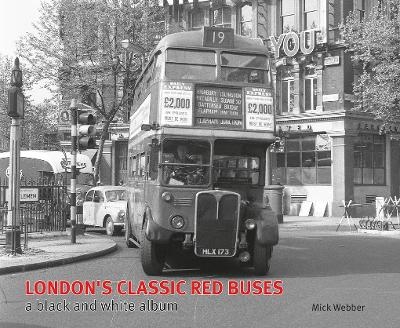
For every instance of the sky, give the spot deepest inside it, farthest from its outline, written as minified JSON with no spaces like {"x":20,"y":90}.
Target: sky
{"x":16,"y":18}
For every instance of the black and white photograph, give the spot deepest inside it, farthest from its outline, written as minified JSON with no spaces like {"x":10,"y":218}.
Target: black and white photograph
{"x":199,"y":163}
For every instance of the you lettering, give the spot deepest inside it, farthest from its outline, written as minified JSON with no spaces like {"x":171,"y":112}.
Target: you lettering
{"x":293,"y":42}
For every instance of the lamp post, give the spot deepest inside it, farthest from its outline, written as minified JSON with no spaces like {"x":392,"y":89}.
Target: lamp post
{"x":134,"y":49}
{"x":16,"y":112}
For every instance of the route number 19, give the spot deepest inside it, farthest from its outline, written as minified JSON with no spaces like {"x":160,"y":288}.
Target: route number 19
{"x":218,"y":37}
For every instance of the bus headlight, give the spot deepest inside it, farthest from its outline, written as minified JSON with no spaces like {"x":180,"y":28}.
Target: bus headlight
{"x":250,"y":224}
{"x":167,"y":196}
{"x":121,"y":214}
{"x":177,"y":222}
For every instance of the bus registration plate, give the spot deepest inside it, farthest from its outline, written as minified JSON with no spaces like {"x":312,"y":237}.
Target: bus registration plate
{"x":214,"y":251}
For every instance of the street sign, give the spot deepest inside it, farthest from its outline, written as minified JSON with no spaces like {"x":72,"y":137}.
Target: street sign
{"x":25,"y":195}
{"x":64,"y":117}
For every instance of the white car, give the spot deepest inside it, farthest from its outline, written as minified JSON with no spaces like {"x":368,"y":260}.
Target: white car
{"x":106,"y":206}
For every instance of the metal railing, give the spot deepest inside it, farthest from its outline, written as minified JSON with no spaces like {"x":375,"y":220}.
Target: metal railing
{"x":46,"y":211}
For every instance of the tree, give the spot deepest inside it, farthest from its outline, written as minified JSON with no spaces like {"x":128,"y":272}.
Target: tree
{"x":40,"y":122}
{"x":76,"y":46}
{"x":374,"y":43}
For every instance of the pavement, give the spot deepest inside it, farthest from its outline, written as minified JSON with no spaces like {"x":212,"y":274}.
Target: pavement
{"x":49,"y":249}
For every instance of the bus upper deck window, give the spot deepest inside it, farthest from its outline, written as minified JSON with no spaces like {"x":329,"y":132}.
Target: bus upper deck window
{"x":244,"y":68}
{"x":191,"y":65}
{"x":194,"y":57}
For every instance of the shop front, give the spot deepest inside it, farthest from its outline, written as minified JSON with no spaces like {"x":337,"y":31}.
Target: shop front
{"x":336,"y":158}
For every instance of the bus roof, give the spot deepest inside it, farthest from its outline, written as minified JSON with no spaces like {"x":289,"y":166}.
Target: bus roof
{"x":194,"y":39}
{"x":55,"y":158}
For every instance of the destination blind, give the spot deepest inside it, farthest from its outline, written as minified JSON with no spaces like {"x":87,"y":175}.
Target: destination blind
{"x":218,"y":108}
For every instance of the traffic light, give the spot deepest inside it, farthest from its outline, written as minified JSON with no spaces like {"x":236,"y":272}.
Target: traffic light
{"x":277,"y":142}
{"x":86,"y":130}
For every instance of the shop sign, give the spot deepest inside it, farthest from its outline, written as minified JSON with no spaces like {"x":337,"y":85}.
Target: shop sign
{"x":381,"y":129}
{"x":297,"y":128}
{"x":333,"y":60}
{"x":332,"y":97}
{"x":292,"y":42}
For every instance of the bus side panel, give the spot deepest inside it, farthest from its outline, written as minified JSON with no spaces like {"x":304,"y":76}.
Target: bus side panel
{"x":155,"y":99}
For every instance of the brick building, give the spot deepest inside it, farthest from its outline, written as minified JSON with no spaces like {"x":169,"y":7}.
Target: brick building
{"x":331,"y":152}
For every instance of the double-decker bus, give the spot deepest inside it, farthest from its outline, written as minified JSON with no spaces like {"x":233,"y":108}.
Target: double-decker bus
{"x":202,"y":120}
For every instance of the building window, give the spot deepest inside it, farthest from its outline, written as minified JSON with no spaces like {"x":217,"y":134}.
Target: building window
{"x":287,"y":99}
{"x":311,"y":14}
{"x":310,"y":93}
{"x":287,"y":90}
{"x":359,"y":9}
{"x":287,"y":16}
{"x":245,"y":19}
{"x":310,"y":89}
{"x":306,"y":161}
{"x":334,"y":18}
{"x":369,"y":160}
{"x":221,"y":17}
{"x":196,"y":19}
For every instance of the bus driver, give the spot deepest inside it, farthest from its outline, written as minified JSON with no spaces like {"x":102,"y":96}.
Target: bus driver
{"x":183,"y":174}
{"x":182,"y":155}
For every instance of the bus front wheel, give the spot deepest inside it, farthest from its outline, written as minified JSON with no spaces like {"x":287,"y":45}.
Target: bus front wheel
{"x":261,"y":259}
{"x":152,"y":255}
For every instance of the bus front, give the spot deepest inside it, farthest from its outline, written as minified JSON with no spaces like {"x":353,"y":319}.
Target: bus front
{"x":213,"y":120}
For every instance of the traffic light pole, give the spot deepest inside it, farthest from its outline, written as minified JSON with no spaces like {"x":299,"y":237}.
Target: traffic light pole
{"x":74,"y":143}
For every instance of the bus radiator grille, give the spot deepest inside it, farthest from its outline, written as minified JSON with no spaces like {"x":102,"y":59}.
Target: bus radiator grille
{"x":183,"y":202}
